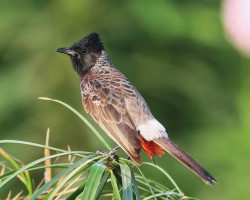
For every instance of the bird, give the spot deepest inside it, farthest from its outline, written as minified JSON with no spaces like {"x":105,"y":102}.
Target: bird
{"x":118,"y":107}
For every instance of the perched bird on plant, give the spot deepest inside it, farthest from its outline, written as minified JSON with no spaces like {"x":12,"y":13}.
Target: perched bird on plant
{"x":119,"y":109}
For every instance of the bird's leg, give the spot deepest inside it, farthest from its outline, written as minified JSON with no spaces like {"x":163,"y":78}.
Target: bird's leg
{"x":109,"y":152}
{"x":153,"y":160}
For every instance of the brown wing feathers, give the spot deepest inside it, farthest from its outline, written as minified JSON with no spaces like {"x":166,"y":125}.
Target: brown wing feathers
{"x":103,"y":99}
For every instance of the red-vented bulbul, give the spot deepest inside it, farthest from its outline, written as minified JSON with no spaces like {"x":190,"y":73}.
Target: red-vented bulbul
{"x":120,"y":110}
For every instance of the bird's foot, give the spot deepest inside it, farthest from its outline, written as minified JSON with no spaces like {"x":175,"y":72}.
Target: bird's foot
{"x":109,"y":153}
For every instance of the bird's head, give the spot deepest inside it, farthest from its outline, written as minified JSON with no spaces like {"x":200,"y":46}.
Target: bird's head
{"x":84,"y":53}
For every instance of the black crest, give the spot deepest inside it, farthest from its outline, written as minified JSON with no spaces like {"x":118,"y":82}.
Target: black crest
{"x":92,"y":43}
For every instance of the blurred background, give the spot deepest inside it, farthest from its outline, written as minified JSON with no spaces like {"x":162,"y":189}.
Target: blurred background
{"x":189,"y":61}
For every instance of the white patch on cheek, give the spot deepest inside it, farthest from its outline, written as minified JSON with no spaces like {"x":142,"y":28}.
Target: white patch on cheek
{"x":151,"y":130}
{"x":72,"y":53}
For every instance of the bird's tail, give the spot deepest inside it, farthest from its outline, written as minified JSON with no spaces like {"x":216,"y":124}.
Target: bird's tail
{"x":185,"y":159}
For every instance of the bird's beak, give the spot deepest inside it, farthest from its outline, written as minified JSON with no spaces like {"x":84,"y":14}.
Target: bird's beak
{"x":66,"y":50}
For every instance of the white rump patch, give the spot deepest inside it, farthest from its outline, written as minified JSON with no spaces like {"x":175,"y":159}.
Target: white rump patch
{"x":151,"y":130}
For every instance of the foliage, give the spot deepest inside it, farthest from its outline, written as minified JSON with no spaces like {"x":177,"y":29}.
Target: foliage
{"x":84,"y":176}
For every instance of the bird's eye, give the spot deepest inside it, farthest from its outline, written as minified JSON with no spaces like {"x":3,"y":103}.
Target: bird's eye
{"x":83,"y":50}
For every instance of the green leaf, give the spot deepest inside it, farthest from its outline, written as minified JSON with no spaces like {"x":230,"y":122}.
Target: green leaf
{"x":24,"y":168}
{"x":146,"y":181}
{"x":37,"y":145}
{"x":75,"y":194}
{"x":17,"y":165}
{"x":126,"y":181}
{"x":102,"y":184}
{"x":137,"y":193}
{"x":166,"y":174}
{"x":81,"y":117}
{"x":93,"y":181}
{"x":50,"y":183}
{"x":72,"y":173}
{"x":116,"y":193}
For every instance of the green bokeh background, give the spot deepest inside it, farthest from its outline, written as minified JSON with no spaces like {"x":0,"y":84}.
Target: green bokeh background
{"x":174,"y":52}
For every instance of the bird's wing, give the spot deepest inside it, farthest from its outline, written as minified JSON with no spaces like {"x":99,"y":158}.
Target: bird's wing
{"x":103,"y":97}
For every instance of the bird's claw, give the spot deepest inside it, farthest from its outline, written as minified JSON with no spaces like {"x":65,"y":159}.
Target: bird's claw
{"x":109,"y":153}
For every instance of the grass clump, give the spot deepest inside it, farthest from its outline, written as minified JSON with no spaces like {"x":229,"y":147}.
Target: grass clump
{"x":84,"y":175}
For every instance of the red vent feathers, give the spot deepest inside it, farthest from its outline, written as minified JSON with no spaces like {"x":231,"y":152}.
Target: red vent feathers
{"x":151,"y":148}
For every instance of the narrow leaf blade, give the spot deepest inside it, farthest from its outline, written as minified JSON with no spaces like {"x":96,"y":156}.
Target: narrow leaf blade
{"x":102,"y":184}
{"x":116,"y":192}
{"x":126,"y":181}
{"x":81,"y":117}
{"x":93,"y":181}
{"x":136,"y":190}
{"x":56,"y":178}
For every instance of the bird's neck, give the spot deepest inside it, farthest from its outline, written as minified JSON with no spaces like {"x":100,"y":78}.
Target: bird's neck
{"x":104,"y":60}
{"x":102,"y":63}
